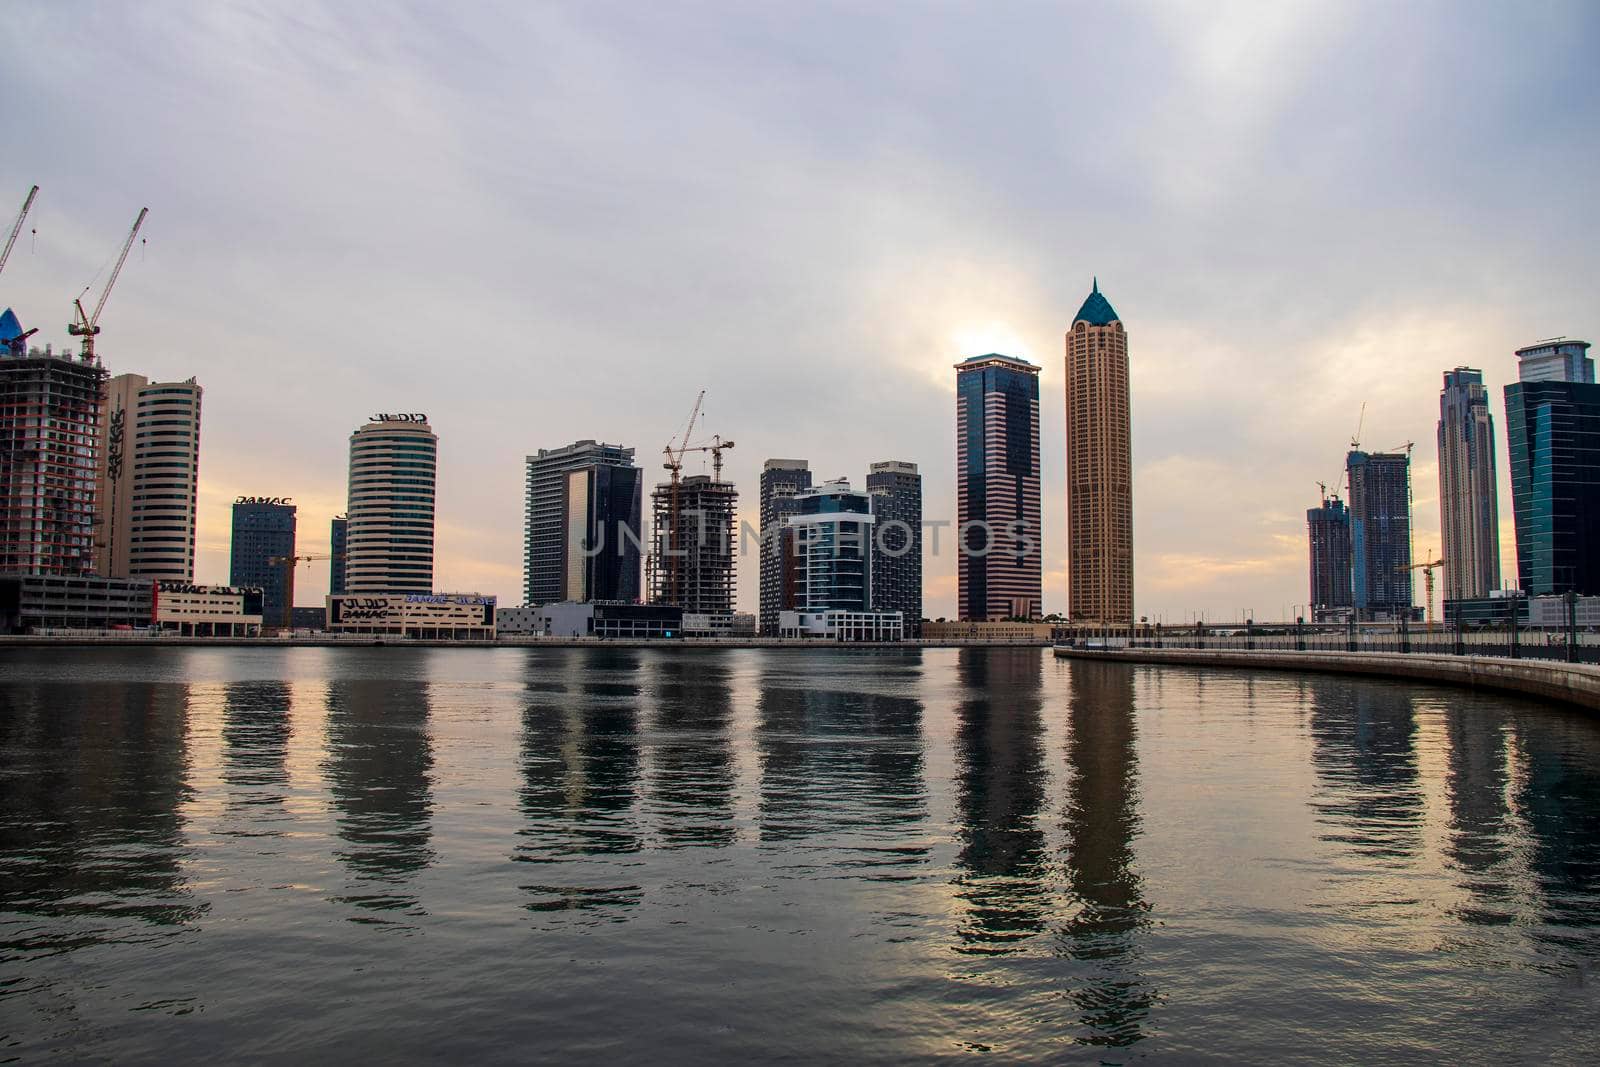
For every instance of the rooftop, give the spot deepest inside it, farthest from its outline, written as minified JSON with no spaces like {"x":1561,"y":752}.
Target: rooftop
{"x":1097,"y":310}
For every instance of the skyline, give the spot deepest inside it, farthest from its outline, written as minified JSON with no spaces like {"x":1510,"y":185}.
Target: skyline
{"x":339,"y":224}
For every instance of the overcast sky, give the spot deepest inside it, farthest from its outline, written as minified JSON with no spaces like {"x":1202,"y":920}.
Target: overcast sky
{"x":544,"y":223}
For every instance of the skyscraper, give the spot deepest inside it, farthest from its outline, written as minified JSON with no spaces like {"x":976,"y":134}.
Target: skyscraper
{"x":781,"y":481}
{"x":393,"y":470}
{"x":999,"y":562}
{"x":263,"y":530}
{"x":338,"y":542}
{"x":602,"y":532}
{"x":1099,"y":466}
{"x":1553,"y":436}
{"x":694,"y":552}
{"x":834,"y":542}
{"x":545,"y":535}
{"x":1380,"y":533}
{"x":50,"y":443}
{"x":149,"y":478}
{"x":1328,"y":527}
{"x":1469,"y":508}
{"x":896,"y":491}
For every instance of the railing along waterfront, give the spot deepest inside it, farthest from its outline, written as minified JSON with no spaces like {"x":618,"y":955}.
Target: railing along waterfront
{"x":1560,"y":645}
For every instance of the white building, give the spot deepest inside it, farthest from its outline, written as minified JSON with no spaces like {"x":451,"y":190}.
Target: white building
{"x":208,"y":610}
{"x":522,"y":621}
{"x":428,"y":616}
{"x":148,"y":478}
{"x":389,"y":526}
{"x":842,"y":625}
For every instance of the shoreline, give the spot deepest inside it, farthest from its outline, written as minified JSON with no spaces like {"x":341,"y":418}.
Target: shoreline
{"x":373,"y":641}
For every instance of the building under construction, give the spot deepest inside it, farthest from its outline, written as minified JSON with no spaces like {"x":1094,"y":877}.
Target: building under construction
{"x":49,"y":451}
{"x":694,"y":544}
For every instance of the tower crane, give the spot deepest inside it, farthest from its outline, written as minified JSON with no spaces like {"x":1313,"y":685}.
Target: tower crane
{"x":87,"y":326}
{"x":1427,"y":568}
{"x":26,"y":204}
{"x":674,"y":467}
{"x":288,"y":563}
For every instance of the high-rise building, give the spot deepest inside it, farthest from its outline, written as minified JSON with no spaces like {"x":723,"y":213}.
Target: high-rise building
{"x":602,"y":532}
{"x":999,"y":561}
{"x":149,"y":477}
{"x":896,"y":491}
{"x":1328,"y":527}
{"x":1380,"y":533}
{"x":1469,"y":506}
{"x":1553,"y":436}
{"x":781,"y":481}
{"x":545,"y":536}
{"x":50,"y":407}
{"x":338,"y":541}
{"x":694,"y":550}
{"x":394,"y":462}
{"x":1099,"y":466}
{"x":834,"y":523}
{"x":263,"y":531}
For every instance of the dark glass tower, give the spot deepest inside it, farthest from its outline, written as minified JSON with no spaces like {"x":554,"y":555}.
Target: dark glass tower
{"x":999,"y":566}
{"x":1380,"y":533}
{"x":781,"y":480}
{"x":1328,"y":527}
{"x":602,"y":521}
{"x":546,"y":487}
{"x":1553,"y":435}
{"x":338,"y":538}
{"x":896,"y":491}
{"x":262,"y":532}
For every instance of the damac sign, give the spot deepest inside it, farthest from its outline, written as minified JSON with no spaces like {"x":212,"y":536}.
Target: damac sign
{"x":264,"y":500}
{"x":416,"y":416}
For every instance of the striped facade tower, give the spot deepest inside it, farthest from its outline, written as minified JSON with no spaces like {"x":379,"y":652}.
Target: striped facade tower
{"x":999,"y":563}
{"x":1099,"y":467}
{"x":394,"y":461}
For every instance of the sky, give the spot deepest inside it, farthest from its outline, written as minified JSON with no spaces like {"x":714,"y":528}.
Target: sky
{"x":541,"y":223}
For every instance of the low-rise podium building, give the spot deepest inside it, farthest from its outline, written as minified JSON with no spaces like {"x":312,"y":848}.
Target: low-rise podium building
{"x":425,"y":616}
{"x":190,"y":610}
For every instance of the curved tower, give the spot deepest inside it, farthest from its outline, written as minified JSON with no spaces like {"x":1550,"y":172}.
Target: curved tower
{"x":1099,"y":467}
{"x":389,"y":538}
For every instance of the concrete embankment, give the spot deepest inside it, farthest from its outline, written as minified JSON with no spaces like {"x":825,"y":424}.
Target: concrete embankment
{"x":1571,"y":683}
{"x":366,"y":641}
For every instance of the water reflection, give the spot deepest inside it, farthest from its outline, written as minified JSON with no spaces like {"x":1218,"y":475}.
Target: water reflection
{"x":255,"y":755}
{"x":840,"y":746}
{"x":692,"y":766}
{"x":1479,"y":813}
{"x":1000,"y":785}
{"x":378,"y":770}
{"x":580,"y":779}
{"x":1558,"y":796}
{"x":1106,"y":910}
{"x":91,"y":827}
{"x":1363,"y":751}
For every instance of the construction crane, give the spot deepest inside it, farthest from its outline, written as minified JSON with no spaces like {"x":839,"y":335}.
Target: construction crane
{"x":289,"y":563}
{"x":1427,"y":569}
{"x":86,"y":326}
{"x":26,"y":204}
{"x":674,"y":467}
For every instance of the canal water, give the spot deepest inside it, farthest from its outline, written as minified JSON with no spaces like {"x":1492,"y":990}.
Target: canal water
{"x":624,"y":855}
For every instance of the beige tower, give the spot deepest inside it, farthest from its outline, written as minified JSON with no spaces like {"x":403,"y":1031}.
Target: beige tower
{"x":148,"y":479}
{"x":1099,"y":467}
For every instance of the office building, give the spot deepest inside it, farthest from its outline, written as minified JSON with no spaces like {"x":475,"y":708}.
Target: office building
{"x":601,"y":533}
{"x":1553,"y":437}
{"x":1469,"y":508}
{"x":545,"y":536}
{"x":41,"y":603}
{"x":149,"y":476}
{"x":781,"y":481}
{"x":1380,"y":534}
{"x":390,"y":514}
{"x":1328,"y":529}
{"x":338,"y":541}
{"x":694,"y":544}
{"x":896,"y":491}
{"x":999,"y":542}
{"x":609,"y":620}
{"x":190,"y":610}
{"x":422,"y":616}
{"x":50,"y":407}
{"x":833,"y":526}
{"x":1099,"y":467}
{"x":263,"y":532}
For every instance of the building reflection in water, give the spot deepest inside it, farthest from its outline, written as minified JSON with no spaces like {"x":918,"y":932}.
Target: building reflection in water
{"x":840,"y":747}
{"x":1106,"y":909}
{"x":580,"y":779}
{"x":255,"y":755}
{"x":692,"y":765}
{"x":1558,"y":798}
{"x":1476,"y":779}
{"x":1363,"y":751}
{"x":91,"y":820}
{"x":379,"y":773}
{"x":1000,"y":791}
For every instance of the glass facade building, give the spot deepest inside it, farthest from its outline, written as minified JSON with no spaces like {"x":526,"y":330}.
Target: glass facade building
{"x":1469,"y":504}
{"x":833,"y":525}
{"x":262,"y":532}
{"x":781,"y":481}
{"x":1380,"y":533}
{"x":1553,"y":437}
{"x":896,"y":491}
{"x":389,"y":532}
{"x":545,"y":576}
{"x":338,"y":540}
{"x":1328,"y":529}
{"x":999,"y":562}
{"x":600,"y":552}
